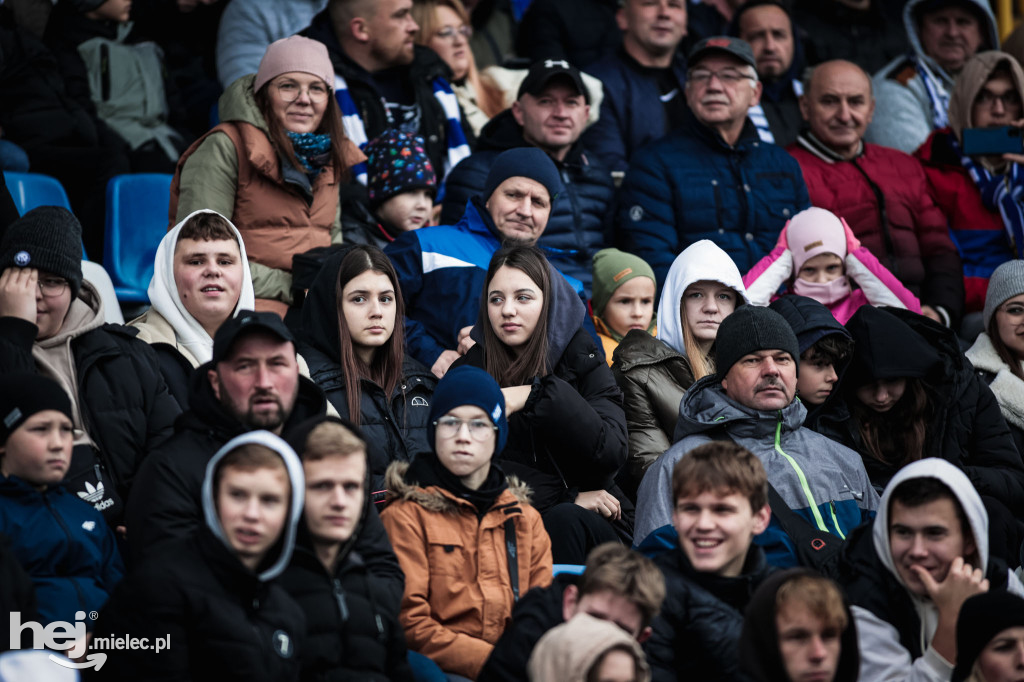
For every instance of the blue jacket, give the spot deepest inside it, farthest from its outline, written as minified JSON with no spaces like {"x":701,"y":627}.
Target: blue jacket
{"x":691,"y":185}
{"x":579,"y":222}
{"x":64,"y":545}
{"x":441,"y":270}
{"x":632,"y":113}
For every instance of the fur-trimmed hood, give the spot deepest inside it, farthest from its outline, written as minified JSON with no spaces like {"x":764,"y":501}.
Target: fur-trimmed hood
{"x":435,"y":498}
{"x":1008,"y":389}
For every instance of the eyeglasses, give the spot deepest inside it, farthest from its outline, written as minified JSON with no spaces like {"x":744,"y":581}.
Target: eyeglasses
{"x":479,"y":429}
{"x":289,"y":92}
{"x":1010,"y":98}
{"x":730,"y":76}
{"x":52,"y":286}
{"x":1014,"y":310}
{"x":449,"y":32}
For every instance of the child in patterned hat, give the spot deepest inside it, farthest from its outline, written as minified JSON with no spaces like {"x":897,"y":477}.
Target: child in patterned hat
{"x":401,"y":182}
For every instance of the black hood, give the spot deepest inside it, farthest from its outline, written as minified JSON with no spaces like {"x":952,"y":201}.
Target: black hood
{"x":320,"y":308}
{"x":888,"y":346}
{"x":759,"y":643}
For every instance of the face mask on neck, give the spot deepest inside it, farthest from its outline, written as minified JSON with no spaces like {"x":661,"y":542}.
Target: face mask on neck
{"x":826,"y":293}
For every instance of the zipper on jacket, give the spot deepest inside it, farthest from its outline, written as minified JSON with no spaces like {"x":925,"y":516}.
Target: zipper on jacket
{"x":339,"y":597}
{"x":820,"y":522}
{"x":835,"y":519}
{"x":71,"y":543}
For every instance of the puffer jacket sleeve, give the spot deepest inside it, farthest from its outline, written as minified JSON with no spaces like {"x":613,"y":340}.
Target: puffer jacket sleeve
{"x":767,"y":275}
{"x":583,"y":426}
{"x":647,"y":440}
{"x":161,"y":506}
{"x":161,"y":407}
{"x":878,"y":284}
{"x":540,"y":551}
{"x":16,"y":339}
{"x":407,"y":257}
{"x":647,"y":221}
{"x":901,"y":120}
{"x":455,"y":652}
{"x":209,"y":178}
{"x":385,"y":573}
{"x":463,"y":183}
{"x":992,"y":461}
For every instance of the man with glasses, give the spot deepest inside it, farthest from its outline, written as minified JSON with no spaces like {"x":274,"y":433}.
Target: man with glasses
{"x":713,"y":178}
{"x":980,"y":194}
{"x":51,"y":323}
{"x":882,"y":193}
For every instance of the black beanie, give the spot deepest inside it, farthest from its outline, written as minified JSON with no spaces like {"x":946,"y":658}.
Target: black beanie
{"x":750,"y":329}
{"x":523,"y":162}
{"x":48,"y":238}
{"x":982,"y":617}
{"x":23,"y":394}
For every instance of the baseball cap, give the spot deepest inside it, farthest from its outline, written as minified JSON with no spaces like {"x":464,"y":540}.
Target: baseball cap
{"x":543,"y":71}
{"x":733,"y":46}
{"x":244,"y":323}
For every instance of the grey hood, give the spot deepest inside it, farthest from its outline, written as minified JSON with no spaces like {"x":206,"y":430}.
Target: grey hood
{"x":284,"y":546}
{"x":990,"y":31}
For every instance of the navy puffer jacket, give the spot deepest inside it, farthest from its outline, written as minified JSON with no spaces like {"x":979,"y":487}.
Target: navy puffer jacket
{"x":691,"y":185}
{"x":578,"y":225}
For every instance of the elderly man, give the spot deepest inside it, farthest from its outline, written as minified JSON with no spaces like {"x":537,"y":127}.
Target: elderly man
{"x":750,"y":401}
{"x":713,"y":178}
{"x":768,"y":26}
{"x":442,"y":268}
{"x":912,"y":92}
{"x":977,"y":193}
{"x":882,"y":193}
{"x":643,"y":81}
{"x":549,"y":113}
{"x":382,"y":80}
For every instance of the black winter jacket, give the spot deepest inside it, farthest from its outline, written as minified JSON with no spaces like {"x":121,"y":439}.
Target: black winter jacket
{"x":579,"y":31}
{"x":125,"y":405}
{"x":696,"y":636}
{"x":965,"y":426}
{"x":17,"y":593}
{"x":535,"y":614}
{"x":579,"y":224}
{"x":224,"y":623}
{"x":425,"y":67}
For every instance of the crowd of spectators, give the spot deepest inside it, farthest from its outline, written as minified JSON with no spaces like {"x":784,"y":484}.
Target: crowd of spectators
{"x":597,"y":340}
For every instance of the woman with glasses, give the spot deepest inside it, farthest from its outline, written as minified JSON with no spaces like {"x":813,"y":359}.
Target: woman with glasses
{"x":353,"y":341}
{"x":567,"y":437}
{"x":467,"y":539}
{"x":274,"y":164}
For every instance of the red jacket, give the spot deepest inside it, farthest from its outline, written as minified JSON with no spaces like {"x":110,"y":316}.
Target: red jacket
{"x":979,"y":232}
{"x":893,"y":215}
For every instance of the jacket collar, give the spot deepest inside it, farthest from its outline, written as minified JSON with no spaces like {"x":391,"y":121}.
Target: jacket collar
{"x":706,"y":407}
{"x":808,"y":141}
{"x":748,"y":135}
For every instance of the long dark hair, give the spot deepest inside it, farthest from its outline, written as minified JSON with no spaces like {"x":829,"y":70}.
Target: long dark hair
{"x":330,"y":124}
{"x":1004,"y":353}
{"x":896,"y":437}
{"x":508,"y":367}
{"x":385,"y":369}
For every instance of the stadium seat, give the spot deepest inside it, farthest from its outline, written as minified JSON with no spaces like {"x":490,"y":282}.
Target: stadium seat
{"x":568,"y":569}
{"x":98,"y":277}
{"x":32,"y":190}
{"x":136,"y":222}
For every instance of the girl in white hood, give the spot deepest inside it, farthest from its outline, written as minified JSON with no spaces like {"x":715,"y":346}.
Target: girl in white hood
{"x":702,"y":288}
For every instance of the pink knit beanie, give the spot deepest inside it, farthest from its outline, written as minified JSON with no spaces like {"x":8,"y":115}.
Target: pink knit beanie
{"x":812,"y":232}
{"x":295,"y":53}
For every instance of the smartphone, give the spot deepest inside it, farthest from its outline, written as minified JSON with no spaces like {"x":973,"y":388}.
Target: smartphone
{"x":1001,"y":140}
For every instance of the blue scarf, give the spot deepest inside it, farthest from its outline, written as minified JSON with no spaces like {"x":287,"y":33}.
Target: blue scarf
{"x":937,"y":95}
{"x":1000,"y":192}
{"x":311,"y":149}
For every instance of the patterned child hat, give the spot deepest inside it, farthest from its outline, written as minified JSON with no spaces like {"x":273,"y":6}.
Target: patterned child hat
{"x":397,"y":162}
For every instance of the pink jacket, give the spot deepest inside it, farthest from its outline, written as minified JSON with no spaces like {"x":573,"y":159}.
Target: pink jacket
{"x":877,"y":286}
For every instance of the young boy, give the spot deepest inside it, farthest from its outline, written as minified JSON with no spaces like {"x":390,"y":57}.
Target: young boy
{"x":401,"y":185}
{"x":909,"y":572}
{"x":209,"y":595}
{"x":60,"y":540}
{"x":720,"y":493}
{"x":353,"y":628}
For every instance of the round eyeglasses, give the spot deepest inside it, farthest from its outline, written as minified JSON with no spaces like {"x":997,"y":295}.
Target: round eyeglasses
{"x":449,"y":427}
{"x":289,"y":91}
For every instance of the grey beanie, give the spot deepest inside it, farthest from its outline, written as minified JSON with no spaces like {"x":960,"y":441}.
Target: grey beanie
{"x":750,"y":329}
{"x":48,"y":238}
{"x":1006,"y":282}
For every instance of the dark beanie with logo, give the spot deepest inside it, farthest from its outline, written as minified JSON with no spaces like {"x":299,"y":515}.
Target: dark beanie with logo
{"x":523,"y":162}
{"x":397,"y":162}
{"x":751,"y":329}
{"x":48,"y":238}
{"x":23,"y":394}
{"x":469,"y":385}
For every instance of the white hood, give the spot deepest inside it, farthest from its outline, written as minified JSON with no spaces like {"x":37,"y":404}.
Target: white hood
{"x":163,"y":293}
{"x":702,"y":260}
{"x":292,"y":463}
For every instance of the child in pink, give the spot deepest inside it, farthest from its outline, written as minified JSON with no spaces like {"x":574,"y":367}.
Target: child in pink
{"x":818,"y":256}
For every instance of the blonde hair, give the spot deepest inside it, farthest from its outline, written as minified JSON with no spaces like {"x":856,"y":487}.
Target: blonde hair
{"x":329,"y":438}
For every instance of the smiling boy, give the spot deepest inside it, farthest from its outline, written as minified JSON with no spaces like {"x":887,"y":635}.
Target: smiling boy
{"x":720,"y":495}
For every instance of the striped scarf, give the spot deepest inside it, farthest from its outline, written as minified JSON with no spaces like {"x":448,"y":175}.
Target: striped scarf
{"x":760,"y":120}
{"x":1003,"y":192}
{"x":458,"y":148}
{"x":937,"y":95}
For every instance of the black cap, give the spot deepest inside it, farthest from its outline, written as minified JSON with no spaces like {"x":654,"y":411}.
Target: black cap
{"x":733,"y":46}
{"x":543,"y":71}
{"x":243,"y":324}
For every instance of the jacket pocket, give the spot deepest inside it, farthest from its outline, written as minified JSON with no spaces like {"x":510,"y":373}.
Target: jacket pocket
{"x":446,"y":552}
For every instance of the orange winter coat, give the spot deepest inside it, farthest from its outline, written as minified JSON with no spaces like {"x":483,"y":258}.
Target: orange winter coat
{"x":458,"y":593}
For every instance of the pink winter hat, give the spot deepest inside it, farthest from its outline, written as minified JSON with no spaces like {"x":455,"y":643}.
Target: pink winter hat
{"x":295,"y":53}
{"x":812,"y":232}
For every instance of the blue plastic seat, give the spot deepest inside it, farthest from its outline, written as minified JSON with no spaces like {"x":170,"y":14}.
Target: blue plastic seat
{"x":137,"y":208}
{"x":32,"y":190}
{"x":569,"y":569}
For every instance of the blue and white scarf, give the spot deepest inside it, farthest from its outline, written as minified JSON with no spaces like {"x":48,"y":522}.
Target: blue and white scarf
{"x":937,"y":95}
{"x":1003,"y":192}
{"x":458,"y":148}
{"x":760,"y":121}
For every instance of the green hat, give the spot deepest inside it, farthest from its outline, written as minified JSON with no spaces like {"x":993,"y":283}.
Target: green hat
{"x":612,"y":269}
